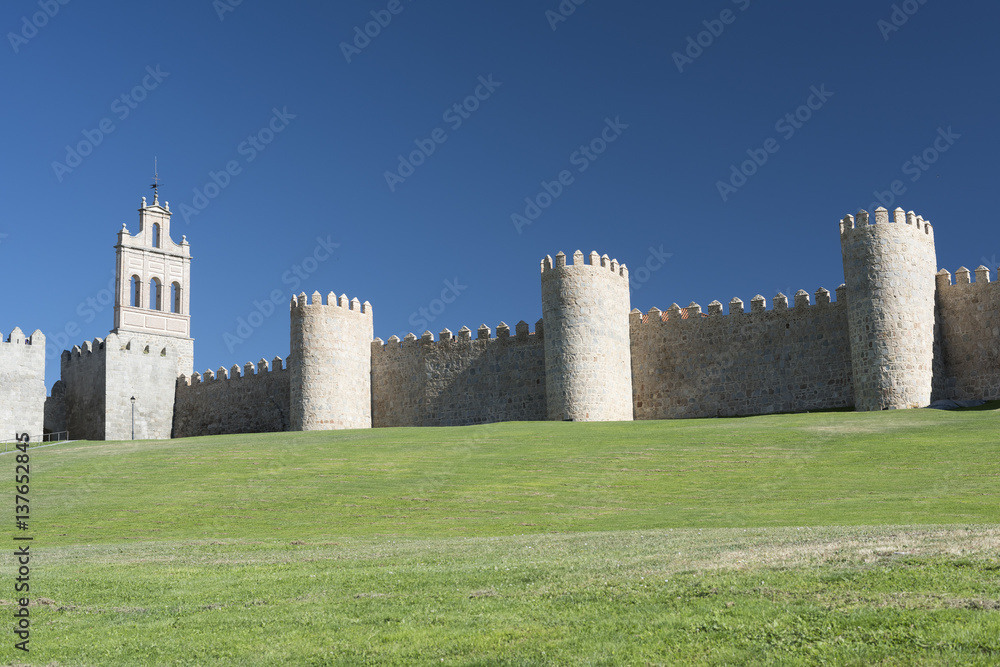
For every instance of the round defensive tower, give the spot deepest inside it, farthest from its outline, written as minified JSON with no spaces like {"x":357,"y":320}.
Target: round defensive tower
{"x":889,"y":271}
{"x":330,"y":363}
{"x":585,"y":309}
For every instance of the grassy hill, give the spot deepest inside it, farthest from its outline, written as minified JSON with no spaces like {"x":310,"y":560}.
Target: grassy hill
{"x":840,"y":537}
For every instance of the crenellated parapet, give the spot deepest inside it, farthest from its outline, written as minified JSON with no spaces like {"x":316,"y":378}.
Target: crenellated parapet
{"x":593,"y":260}
{"x":865,"y":225}
{"x":791,"y":354}
{"x":964,"y":276}
{"x":248,"y":371}
{"x":252,"y":398}
{"x":22,"y":383}
{"x":17,"y":337}
{"x":471,"y":376}
{"x":693,"y":314}
{"x":98,"y":347}
{"x":330,"y":362}
{"x":103,"y":376}
{"x":585,"y":306}
{"x":968,"y":310}
{"x":304,"y":303}
{"x":889,"y":270}
{"x":895,"y":331}
{"x":447,"y":339}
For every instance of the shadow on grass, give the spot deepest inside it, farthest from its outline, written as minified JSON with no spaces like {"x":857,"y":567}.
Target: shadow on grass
{"x":988,"y":405}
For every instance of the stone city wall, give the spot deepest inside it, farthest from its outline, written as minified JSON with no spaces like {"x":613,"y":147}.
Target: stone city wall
{"x":330,"y":363}
{"x":147,"y":372}
{"x":55,"y":409}
{"x":686,"y":364}
{"x":585,"y":307}
{"x":889,"y":270}
{"x":84,"y":379}
{"x":969,"y":334}
{"x":457,"y":381}
{"x":22,"y":384}
{"x":248,"y":400}
{"x":101,"y":378}
{"x":181,"y":348}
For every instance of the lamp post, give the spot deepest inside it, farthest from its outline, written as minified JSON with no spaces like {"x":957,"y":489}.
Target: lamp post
{"x":133,"y":417}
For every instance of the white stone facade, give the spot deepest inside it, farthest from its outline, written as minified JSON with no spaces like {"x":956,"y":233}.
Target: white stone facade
{"x":152,"y":284}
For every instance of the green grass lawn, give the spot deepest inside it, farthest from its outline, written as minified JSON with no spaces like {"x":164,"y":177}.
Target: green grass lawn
{"x":838,"y":538}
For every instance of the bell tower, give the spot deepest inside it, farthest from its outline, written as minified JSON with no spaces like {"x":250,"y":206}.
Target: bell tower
{"x":152,"y":284}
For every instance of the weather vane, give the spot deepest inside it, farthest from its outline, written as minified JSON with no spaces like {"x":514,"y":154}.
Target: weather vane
{"x":156,"y":183}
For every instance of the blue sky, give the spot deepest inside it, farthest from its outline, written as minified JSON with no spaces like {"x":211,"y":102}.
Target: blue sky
{"x":886,"y":83}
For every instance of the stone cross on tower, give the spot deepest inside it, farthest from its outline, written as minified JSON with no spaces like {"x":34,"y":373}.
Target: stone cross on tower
{"x":153,"y":278}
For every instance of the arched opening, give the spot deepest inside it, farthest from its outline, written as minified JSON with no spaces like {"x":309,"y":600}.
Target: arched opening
{"x":155,"y":294}
{"x":135,"y":299}
{"x":175,"y":298}
{"x":156,"y":235}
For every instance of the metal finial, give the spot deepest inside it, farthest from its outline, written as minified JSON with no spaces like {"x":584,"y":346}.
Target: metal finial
{"x":156,"y":183}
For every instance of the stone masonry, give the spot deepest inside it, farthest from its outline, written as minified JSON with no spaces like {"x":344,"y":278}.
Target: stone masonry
{"x":686,"y":363}
{"x":251,"y":399}
{"x":22,"y":384}
{"x":102,"y":378}
{"x":330,"y":363}
{"x":969,"y":338}
{"x":458,"y":380}
{"x":899,"y":334}
{"x":889,"y":270}
{"x":587,"y":368}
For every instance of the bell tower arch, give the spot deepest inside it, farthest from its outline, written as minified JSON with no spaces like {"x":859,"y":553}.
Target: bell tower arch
{"x":153,"y":278}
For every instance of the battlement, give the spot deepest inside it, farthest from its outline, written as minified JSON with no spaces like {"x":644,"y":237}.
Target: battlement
{"x":758,"y":304}
{"x":472,"y":377}
{"x":599,"y":261}
{"x":236,"y":372}
{"x":22,"y":383}
{"x":889,"y":267}
{"x":336,"y":334}
{"x":522,"y":334}
{"x":111,"y":342}
{"x":17,"y":337}
{"x":302,"y":302}
{"x":864,"y":223}
{"x":253,"y":398}
{"x":585,"y":306}
{"x":963,"y":277}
